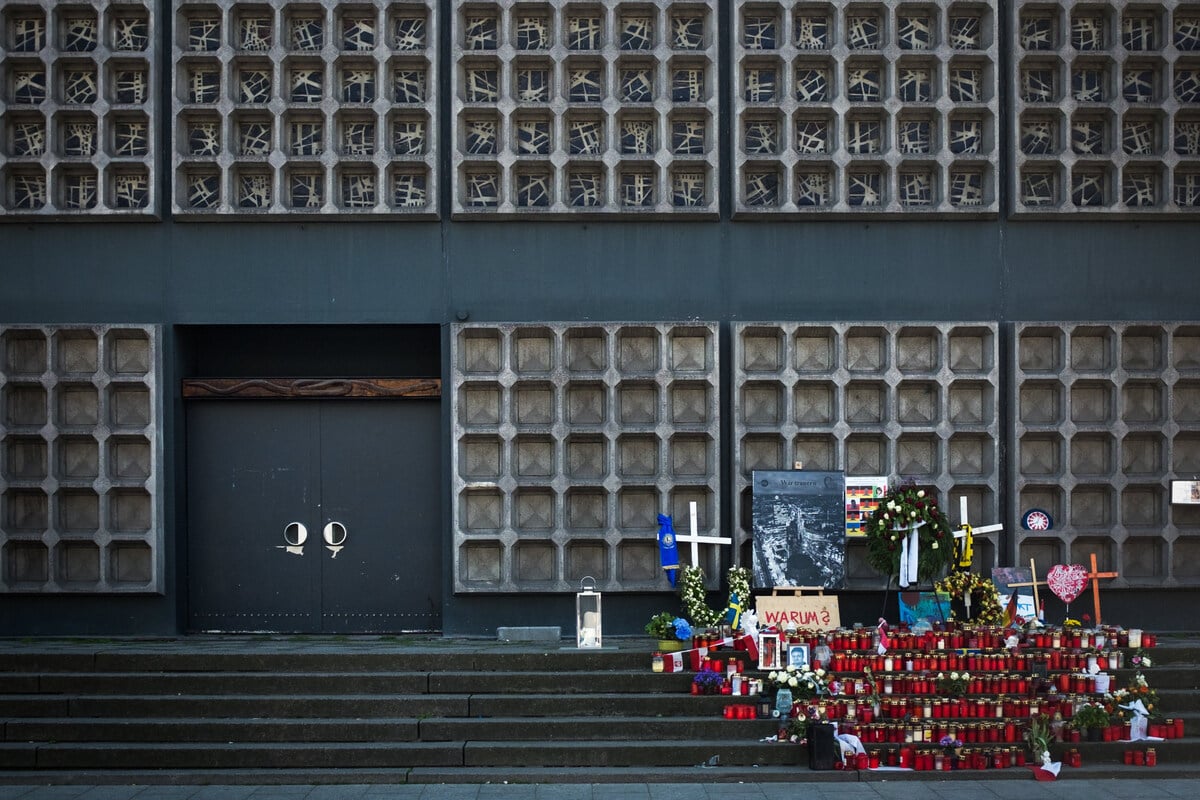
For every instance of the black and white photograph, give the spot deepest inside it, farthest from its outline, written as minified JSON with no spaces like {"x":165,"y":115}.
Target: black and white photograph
{"x":797,"y":655}
{"x":799,"y":528}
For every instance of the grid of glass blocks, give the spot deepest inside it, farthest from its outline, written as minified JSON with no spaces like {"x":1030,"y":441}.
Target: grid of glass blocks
{"x":80,"y":474}
{"x":77,"y":89}
{"x":1106,"y":416}
{"x":1106,"y":107}
{"x":908,"y":401}
{"x":585,"y":107}
{"x":855,"y":107}
{"x":569,"y":440}
{"x":305,"y":108}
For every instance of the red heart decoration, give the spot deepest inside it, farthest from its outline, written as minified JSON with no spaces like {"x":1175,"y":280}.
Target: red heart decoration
{"x":1067,"y":581}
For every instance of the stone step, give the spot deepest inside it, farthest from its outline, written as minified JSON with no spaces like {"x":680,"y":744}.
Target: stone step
{"x":362,"y":706}
{"x":377,"y":655}
{"x":654,"y":755}
{"x":188,"y":729}
{"x":344,"y":683}
{"x":381,"y":657}
{"x":342,"y":755}
{"x":231,"y":706}
{"x":692,"y":774}
{"x":197,"y":729}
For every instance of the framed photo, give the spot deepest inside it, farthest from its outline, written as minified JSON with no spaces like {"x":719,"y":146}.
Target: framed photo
{"x":799,"y":519}
{"x":768,"y":651}
{"x":1185,"y":492}
{"x":797,"y":655}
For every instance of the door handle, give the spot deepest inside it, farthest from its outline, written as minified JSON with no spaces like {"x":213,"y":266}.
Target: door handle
{"x":335,"y":537}
{"x":295,"y":534}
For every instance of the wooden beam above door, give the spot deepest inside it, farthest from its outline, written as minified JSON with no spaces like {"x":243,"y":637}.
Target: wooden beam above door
{"x":310,"y":388}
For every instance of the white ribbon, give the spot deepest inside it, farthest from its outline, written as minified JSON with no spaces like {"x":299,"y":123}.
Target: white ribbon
{"x":914,"y":540}
{"x":1137,"y":725}
{"x":903,"y":561}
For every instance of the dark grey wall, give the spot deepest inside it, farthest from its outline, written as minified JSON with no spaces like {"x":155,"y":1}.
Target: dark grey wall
{"x":334,"y":272}
{"x":428,"y":273}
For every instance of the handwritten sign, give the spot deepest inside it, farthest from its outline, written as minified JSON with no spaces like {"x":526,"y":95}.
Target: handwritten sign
{"x":815,"y":612}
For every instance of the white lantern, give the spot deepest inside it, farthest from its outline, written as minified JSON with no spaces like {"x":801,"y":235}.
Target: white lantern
{"x":587,"y":615}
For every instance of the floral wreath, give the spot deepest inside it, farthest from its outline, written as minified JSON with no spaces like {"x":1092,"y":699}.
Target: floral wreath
{"x":695,"y":595}
{"x":901,"y":508}
{"x":984,"y":596}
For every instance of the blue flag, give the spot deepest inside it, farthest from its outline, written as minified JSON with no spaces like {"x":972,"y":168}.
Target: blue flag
{"x":668,"y":550}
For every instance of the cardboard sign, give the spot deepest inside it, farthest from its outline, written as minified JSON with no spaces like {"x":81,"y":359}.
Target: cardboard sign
{"x":1025,"y":608}
{"x":815,"y":612}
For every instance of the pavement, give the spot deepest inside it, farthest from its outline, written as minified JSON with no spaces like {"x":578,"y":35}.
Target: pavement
{"x":1064,"y":789}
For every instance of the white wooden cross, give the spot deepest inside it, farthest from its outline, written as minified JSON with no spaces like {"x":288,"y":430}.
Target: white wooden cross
{"x":698,"y":540}
{"x":965,"y":531}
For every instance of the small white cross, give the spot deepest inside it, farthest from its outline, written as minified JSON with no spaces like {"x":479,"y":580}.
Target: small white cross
{"x":698,"y":540}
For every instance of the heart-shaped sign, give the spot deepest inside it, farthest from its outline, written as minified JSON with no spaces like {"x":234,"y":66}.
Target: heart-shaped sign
{"x":1067,"y":581}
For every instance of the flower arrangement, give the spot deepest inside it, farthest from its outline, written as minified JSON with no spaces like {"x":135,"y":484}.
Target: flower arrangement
{"x":955,"y":684}
{"x":1139,"y":660}
{"x":695,"y":595}
{"x":899,"y":510}
{"x":804,"y":682}
{"x":985,"y":601}
{"x":666,"y":626}
{"x":1091,"y":715}
{"x":949,"y":744}
{"x":1139,"y":689}
{"x":797,"y":729}
{"x":708,"y":682}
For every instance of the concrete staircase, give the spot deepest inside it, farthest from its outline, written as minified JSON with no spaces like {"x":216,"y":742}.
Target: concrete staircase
{"x":204,"y":710}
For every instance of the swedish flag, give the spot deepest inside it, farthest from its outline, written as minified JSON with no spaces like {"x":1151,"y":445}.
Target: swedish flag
{"x":734,"y":615}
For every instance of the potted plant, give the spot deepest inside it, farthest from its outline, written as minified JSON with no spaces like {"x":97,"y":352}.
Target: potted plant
{"x":708,"y":682}
{"x":1091,"y":719}
{"x":1038,"y":738}
{"x":670,"y":630}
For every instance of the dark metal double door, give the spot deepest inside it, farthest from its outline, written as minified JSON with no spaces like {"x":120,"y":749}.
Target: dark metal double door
{"x":318,"y":516}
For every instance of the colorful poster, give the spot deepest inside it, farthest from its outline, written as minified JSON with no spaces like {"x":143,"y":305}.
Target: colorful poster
{"x":862,"y":498}
{"x":924,"y":607}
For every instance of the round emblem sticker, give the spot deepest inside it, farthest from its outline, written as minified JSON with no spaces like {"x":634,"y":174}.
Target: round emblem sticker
{"x":1036,"y":520}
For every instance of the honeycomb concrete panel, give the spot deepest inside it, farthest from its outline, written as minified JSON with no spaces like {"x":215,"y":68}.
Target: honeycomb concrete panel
{"x":848,"y":107}
{"x":80,"y":460}
{"x":570,"y":440}
{"x":78,"y":88}
{"x":302,"y":108}
{"x":912,"y":401}
{"x":1105,"y":417}
{"x":1105,"y":115}
{"x":573,"y":108}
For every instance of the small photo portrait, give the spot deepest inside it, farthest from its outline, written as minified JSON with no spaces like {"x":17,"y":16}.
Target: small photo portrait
{"x":797,"y":655}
